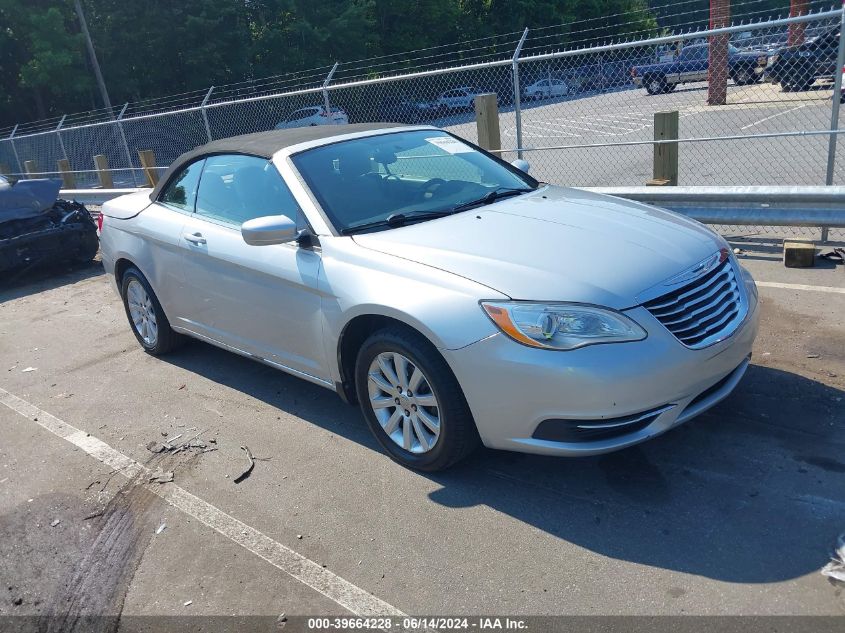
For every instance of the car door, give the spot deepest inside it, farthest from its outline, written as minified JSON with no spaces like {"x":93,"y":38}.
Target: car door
{"x":261,"y":300}
{"x":692,"y":64}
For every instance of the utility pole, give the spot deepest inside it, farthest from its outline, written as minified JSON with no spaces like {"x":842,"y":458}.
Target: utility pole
{"x":93,"y":56}
{"x":717,"y":70}
{"x":796,"y":31}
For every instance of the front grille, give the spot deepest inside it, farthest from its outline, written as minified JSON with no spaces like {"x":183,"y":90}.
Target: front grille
{"x":703,"y":311}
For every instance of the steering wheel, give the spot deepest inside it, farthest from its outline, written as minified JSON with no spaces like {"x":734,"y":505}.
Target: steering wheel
{"x":371,"y":177}
{"x":431,"y":187}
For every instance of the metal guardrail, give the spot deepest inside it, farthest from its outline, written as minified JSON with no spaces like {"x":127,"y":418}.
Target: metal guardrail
{"x":95,"y":196}
{"x":822,"y":206}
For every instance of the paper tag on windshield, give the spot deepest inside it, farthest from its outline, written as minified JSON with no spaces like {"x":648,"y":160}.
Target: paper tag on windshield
{"x":449,"y":144}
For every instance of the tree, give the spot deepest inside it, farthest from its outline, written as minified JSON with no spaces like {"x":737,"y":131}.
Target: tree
{"x":42,"y":55}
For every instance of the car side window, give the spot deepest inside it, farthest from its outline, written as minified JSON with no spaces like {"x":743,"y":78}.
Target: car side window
{"x":181,"y":191}
{"x":236,"y":188}
{"x":302,"y":114}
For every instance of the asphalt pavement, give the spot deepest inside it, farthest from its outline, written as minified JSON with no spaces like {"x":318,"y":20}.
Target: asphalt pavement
{"x":733,"y":513}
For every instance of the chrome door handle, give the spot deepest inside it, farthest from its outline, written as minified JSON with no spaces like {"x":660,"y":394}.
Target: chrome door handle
{"x":195,"y":238}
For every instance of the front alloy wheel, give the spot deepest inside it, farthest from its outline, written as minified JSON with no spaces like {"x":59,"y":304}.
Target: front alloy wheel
{"x":403,"y":402}
{"x":412,"y":401}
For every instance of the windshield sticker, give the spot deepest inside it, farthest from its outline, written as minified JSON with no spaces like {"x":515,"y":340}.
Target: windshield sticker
{"x":449,"y":144}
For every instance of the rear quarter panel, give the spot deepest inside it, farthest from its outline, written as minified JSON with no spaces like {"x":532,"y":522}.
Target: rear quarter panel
{"x":149,"y":241}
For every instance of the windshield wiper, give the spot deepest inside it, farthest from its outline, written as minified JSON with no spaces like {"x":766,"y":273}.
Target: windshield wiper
{"x":490,"y":198}
{"x":395,"y":220}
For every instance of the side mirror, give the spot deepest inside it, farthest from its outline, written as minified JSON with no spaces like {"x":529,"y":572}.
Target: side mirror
{"x":521,"y":165}
{"x":270,"y":229}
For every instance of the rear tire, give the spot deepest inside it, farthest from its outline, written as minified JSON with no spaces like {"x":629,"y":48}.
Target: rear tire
{"x":146,"y":317}
{"x":744,"y":77}
{"x":404,"y":387}
{"x":797,"y":84}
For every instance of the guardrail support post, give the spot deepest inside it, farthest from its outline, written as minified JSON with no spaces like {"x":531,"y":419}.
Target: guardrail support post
{"x":204,"y":117}
{"x":517,"y":93}
{"x":834,"y":113}
{"x":326,"y":82}
{"x":487,"y":122}
{"x":148,"y":162}
{"x":101,"y":164}
{"x":665,"y":171}
{"x":68,"y":180}
{"x":30,"y":167}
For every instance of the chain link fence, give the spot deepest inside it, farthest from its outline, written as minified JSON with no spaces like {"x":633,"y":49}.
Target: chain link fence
{"x":756,"y":104}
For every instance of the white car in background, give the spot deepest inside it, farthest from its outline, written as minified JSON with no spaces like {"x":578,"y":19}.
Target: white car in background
{"x":547,"y":88}
{"x":842,"y":88}
{"x":314,"y":115}
{"x":462,"y":98}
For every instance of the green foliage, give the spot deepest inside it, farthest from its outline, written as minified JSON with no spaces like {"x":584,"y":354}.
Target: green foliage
{"x":161,"y":47}
{"x":41,"y":59}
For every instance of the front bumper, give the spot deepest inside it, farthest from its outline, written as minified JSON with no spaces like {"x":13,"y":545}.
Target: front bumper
{"x":511,"y":389}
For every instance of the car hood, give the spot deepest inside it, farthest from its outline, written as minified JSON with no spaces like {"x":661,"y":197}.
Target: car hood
{"x":556,"y":244}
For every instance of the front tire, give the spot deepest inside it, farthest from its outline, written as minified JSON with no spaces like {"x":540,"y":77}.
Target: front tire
{"x":146,"y":317}
{"x":744,"y":77}
{"x":412,"y":401}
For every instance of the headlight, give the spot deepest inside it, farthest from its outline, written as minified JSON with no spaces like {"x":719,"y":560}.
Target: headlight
{"x":561,"y":326}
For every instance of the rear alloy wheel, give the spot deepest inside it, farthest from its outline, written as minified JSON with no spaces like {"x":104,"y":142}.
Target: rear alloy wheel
{"x":655,"y":85}
{"x":146,"y":318}
{"x":412,"y":402}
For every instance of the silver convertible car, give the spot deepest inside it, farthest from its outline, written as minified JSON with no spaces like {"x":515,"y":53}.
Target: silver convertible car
{"x":454,"y":297}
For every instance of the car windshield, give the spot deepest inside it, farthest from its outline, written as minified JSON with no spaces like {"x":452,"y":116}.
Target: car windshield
{"x":412,"y":175}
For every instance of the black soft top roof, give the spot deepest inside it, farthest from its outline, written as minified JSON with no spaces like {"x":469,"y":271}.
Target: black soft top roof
{"x":265,"y":144}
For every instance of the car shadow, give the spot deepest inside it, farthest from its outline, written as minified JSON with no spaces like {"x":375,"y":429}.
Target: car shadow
{"x":30,"y":280}
{"x":748,"y":492}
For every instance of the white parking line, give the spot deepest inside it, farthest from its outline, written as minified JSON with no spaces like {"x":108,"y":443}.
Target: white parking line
{"x":798,"y":107}
{"x":776,"y":284}
{"x":304,"y":570}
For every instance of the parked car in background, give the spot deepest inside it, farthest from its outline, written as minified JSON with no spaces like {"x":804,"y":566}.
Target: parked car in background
{"x":692,"y":65}
{"x":314,"y":115}
{"x":382,"y":263}
{"x":402,"y":108}
{"x":546,"y":88}
{"x":582,"y":78}
{"x":796,"y":68}
{"x":458,"y":98}
{"x":842,"y":88}
{"x":37,"y":227}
